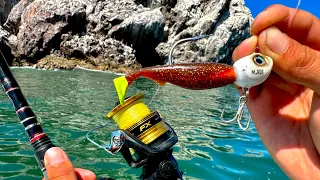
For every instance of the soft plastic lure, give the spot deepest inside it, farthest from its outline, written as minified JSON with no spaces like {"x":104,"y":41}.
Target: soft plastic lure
{"x":249,"y":71}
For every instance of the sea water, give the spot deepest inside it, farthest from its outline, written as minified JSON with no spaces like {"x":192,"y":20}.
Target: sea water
{"x":70,"y":103}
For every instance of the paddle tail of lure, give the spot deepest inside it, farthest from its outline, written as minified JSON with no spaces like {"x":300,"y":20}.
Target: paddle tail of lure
{"x":121,"y":84}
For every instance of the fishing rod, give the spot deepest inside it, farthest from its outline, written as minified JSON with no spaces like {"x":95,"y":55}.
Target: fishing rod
{"x":38,"y":138}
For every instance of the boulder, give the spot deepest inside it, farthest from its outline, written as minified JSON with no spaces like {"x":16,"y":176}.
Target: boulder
{"x":107,"y":14}
{"x":43,"y":22}
{"x":143,"y":31}
{"x":226,"y":21}
{"x":101,"y":50}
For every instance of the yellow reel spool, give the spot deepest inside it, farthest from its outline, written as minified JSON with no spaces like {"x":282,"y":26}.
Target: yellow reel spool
{"x":136,"y":117}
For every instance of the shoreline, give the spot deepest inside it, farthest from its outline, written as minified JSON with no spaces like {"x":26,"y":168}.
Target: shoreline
{"x":54,"y":63}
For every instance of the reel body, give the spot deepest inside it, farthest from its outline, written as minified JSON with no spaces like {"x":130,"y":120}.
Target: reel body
{"x":144,"y":139}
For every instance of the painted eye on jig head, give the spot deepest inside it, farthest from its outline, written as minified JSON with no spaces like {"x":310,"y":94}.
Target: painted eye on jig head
{"x":259,"y":60}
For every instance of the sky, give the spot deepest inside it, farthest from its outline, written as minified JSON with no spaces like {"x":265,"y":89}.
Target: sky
{"x":256,"y":6}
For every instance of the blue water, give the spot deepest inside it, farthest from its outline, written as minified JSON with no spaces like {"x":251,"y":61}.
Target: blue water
{"x":70,"y":103}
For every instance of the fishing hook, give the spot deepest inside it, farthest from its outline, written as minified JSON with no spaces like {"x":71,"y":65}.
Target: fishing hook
{"x":242,"y":102}
{"x":170,"y":61}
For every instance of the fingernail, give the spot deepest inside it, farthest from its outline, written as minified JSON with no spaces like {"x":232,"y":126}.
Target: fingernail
{"x":276,"y":40}
{"x":54,"y":156}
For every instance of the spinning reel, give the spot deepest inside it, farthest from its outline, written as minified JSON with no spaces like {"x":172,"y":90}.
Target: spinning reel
{"x":144,"y":139}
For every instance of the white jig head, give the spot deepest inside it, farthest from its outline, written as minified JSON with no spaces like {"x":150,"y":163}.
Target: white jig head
{"x":252,"y":70}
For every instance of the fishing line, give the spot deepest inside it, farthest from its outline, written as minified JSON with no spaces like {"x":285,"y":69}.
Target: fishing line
{"x":3,"y":57}
{"x":134,"y":84}
{"x":299,"y":1}
{"x":295,"y":13}
{"x":158,"y":89}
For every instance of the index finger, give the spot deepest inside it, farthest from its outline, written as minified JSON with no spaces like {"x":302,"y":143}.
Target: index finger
{"x":245,"y":48}
{"x":297,"y":24}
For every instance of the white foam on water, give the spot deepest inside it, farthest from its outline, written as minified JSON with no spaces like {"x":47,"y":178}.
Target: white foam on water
{"x":95,"y":70}
{"x":23,"y":67}
{"x":76,"y":68}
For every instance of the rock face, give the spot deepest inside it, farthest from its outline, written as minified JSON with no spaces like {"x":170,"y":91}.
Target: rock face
{"x":43,"y":23}
{"x":14,"y":18}
{"x":144,"y":34}
{"x":5,"y":8}
{"x":226,"y":21}
{"x":123,"y":32}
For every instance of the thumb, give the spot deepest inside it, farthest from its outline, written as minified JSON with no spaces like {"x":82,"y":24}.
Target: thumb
{"x":58,"y":165}
{"x":292,"y":61}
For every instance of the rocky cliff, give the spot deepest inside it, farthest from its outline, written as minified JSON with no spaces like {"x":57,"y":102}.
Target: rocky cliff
{"x":124,"y":34}
{"x":5,"y":8}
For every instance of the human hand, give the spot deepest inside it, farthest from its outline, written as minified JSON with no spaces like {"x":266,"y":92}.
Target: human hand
{"x":59,"y":167}
{"x":285,"y":109}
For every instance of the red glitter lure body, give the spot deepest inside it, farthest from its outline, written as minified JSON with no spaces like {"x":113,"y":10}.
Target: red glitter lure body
{"x":194,"y":76}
